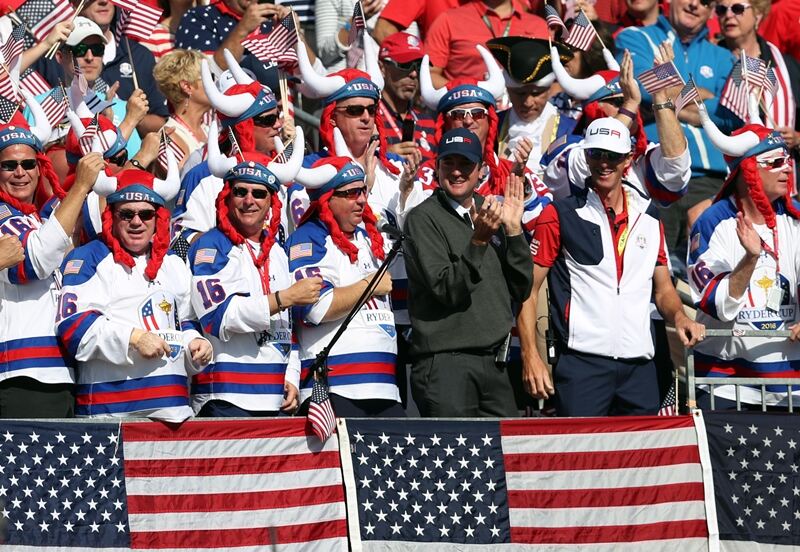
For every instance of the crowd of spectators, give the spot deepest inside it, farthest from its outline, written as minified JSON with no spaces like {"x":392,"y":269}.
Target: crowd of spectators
{"x":183,"y":244}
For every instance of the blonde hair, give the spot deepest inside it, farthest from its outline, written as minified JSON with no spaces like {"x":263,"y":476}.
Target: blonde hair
{"x":761,"y":7}
{"x":176,"y":66}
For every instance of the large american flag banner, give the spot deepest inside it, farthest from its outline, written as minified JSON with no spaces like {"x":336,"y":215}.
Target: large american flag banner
{"x":571,"y":484}
{"x":754,"y":461}
{"x":264,"y":484}
{"x":41,"y":16}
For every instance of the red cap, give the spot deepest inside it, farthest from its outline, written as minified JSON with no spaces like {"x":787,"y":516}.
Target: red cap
{"x":401,"y":48}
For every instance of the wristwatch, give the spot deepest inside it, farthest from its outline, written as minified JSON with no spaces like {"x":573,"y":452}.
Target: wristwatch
{"x":666,"y":105}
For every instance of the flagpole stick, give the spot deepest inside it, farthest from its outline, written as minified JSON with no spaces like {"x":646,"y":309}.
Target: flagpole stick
{"x":130,"y":58}
{"x":54,"y":48}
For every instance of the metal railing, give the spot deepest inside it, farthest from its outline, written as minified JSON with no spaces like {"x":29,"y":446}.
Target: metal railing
{"x":693,"y":381}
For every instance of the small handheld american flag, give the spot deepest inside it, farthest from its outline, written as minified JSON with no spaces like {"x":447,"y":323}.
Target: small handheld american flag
{"x":554,"y":20}
{"x":582,"y":33}
{"x":320,"y":410}
{"x":734,"y":94}
{"x":358,"y":23}
{"x":687,"y":94}
{"x":660,"y":77}
{"x":14,"y":46}
{"x":278,"y":45}
{"x":177,"y":151}
{"x":55,"y":106}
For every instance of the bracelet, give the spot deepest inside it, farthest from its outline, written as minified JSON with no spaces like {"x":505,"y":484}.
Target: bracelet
{"x":666,"y":105}
{"x":628,"y":113}
{"x":135,"y":163}
{"x":278,"y":300}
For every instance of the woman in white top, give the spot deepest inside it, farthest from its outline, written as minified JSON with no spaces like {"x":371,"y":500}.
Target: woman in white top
{"x":177,"y":75}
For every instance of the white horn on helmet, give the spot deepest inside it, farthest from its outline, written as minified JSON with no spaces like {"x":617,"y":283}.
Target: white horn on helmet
{"x":218,"y":164}
{"x":317,"y":177}
{"x":319,"y":85}
{"x":611,"y":63}
{"x":734,"y":146}
{"x":753,"y":110}
{"x":41,"y":128}
{"x":371,"y":61}
{"x":104,"y":185}
{"x":495,"y":84}
{"x":286,"y":172}
{"x":168,"y":187}
{"x":430,"y":94}
{"x":75,"y":123}
{"x":236,"y":70}
{"x":340,"y":147}
{"x":230,"y":106}
{"x":580,"y":89}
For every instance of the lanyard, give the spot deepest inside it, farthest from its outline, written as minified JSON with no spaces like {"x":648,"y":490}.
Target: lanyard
{"x":489,"y":23}
{"x":263,"y":272}
{"x":772,"y":251}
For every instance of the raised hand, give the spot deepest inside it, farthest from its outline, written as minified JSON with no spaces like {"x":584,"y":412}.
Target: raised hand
{"x":747,"y":235}
{"x":513,"y":205}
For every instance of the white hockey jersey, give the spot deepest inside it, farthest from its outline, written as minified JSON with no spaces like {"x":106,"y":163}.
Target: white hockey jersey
{"x":28,"y":344}
{"x":252,"y":347}
{"x":101,"y":303}
{"x":714,"y":252}
{"x":362,"y":363}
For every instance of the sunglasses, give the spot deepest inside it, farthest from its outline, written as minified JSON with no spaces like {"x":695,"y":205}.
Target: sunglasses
{"x":774,"y":163}
{"x":358,"y":110}
{"x":129,"y":214}
{"x":737,"y":9}
{"x":406,"y":67}
{"x":80,"y":50}
{"x":352,"y":193}
{"x":120,"y":158}
{"x":707,"y":3}
{"x":265,"y":121}
{"x":475,"y":113}
{"x":605,"y":155}
{"x":11,"y":166}
{"x":257,"y":193}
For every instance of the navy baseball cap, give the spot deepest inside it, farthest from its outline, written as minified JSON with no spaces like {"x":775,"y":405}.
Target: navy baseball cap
{"x":461,"y":141}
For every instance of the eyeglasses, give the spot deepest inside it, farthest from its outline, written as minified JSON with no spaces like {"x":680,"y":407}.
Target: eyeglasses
{"x":615,"y":101}
{"x":11,"y":165}
{"x":265,"y":121}
{"x":129,"y":214}
{"x":605,"y":155}
{"x":475,"y":113}
{"x":120,"y":158}
{"x":358,"y":110}
{"x":737,"y":9}
{"x":352,"y":193}
{"x":774,"y":163}
{"x":407,"y":67}
{"x":79,"y":50}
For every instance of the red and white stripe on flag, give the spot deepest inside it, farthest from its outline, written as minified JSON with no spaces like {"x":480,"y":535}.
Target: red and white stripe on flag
{"x":597,"y":483}
{"x":233,"y":485}
{"x":143,"y":21}
{"x":34,"y":83}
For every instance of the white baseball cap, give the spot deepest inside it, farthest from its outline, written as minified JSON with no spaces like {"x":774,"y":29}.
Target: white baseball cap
{"x":84,"y":28}
{"x":607,"y":134}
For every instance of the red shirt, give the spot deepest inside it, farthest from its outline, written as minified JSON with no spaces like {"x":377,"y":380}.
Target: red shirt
{"x":404,"y":12}
{"x":451,"y":41}
{"x":780,"y":27}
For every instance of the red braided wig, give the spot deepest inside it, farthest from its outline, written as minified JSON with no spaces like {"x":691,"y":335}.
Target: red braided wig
{"x":158,"y":250}
{"x":347,"y":247}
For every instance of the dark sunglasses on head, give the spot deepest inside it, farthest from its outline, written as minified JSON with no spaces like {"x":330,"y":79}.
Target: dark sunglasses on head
{"x":129,"y":214}
{"x":737,"y":9}
{"x":120,"y":158}
{"x":406,"y":67}
{"x":476,"y":113}
{"x":352,"y":193}
{"x":358,"y":110}
{"x":11,"y":165}
{"x":605,"y":155}
{"x":79,"y":50}
{"x":257,"y":193}
{"x":265,"y":120}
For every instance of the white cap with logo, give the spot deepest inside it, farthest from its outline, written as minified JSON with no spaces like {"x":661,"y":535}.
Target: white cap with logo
{"x":84,"y":28}
{"x":607,"y":134}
